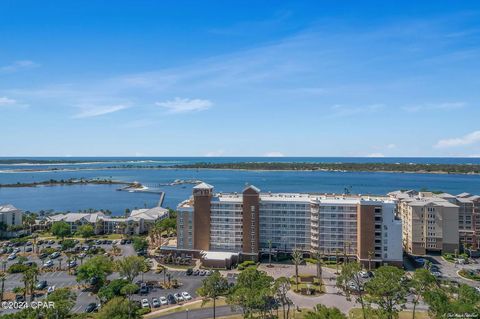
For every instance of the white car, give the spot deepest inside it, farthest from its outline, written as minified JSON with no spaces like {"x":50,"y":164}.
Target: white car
{"x":50,"y":290}
{"x":145,"y":303}
{"x":178,"y":297}
{"x":155,"y":303}
{"x":12,"y":256}
{"x":363,"y":274}
{"x":48,"y":263}
{"x":186,"y":295}
{"x":163,"y":301}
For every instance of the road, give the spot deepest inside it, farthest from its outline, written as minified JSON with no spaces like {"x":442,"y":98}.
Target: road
{"x":202,"y":313}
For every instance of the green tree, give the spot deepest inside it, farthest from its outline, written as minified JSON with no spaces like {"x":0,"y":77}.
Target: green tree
{"x":297,"y":258}
{"x":324,"y":312}
{"x":388,"y":290}
{"x":213,"y":286}
{"x":130,"y":266}
{"x":140,"y":243}
{"x":86,"y":231}
{"x":252,"y":293}
{"x":64,"y":300}
{"x":96,"y":268}
{"x":281,"y":288}
{"x":68,"y":244}
{"x":422,"y":281}
{"x":61,"y":229}
{"x":318,"y":256}
{"x":3,"y":276}
{"x":118,"y":308}
{"x":349,"y":279}
{"x":114,"y":289}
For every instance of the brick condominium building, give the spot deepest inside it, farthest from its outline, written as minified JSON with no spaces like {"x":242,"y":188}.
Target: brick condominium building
{"x":246,"y":223}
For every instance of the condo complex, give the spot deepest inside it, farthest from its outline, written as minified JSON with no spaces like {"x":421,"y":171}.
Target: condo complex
{"x":248,"y":224}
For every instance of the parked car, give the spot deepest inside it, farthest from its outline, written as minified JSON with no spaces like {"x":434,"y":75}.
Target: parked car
{"x":189,"y":271}
{"x":50,"y":290}
{"x":41,"y":285}
{"x":363,"y":274}
{"x":91,"y":307}
{"x":51,"y":242}
{"x":143,"y":289}
{"x":43,"y":256}
{"x":186,"y":296}
{"x":28,"y":249}
{"x":12,"y":256}
{"x":55,"y":255}
{"x":171,"y":299}
{"x":178,"y":297}
{"x":19,"y":298}
{"x":122,"y":242}
{"x":196,"y":272}
{"x":72,"y":264}
{"x":208,"y":272}
{"x":48,"y":264}
{"x":29,"y":243}
{"x":163,"y":301}
{"x":145,"y":303}
{"x":155,"y":303}
{"x":202,"y":273}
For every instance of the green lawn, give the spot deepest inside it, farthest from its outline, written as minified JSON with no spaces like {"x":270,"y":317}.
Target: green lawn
{"x":357,"y":314}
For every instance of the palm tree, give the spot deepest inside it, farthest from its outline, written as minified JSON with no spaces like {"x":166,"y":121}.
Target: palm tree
{"x":60,"y":263}
{"x":269,"y":253}
{"x":2,"y":278}
{"x":318,"y":261}
{"x":297,"y":258}
{"x":337,"y":252}
{"x":370,"y":255}
{"x":32,"y":276}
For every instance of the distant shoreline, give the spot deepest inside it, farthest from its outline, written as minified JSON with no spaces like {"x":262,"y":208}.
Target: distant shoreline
{"x":68,"y":182}
{"x":405,"y":168}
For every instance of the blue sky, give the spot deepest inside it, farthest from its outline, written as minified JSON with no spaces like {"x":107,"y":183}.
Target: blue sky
{"x":239,"y":78}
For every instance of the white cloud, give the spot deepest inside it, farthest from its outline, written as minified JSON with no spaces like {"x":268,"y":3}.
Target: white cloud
{"x":93,"y":111}
{"x":179,"y":105}
{"x":215,"y":153}
{"x":391,"y":146}
{"x":376,"y":155}
{"x":18,"y":65}
{"x":7,"y":101}
{"x":434,"y":107}
{"x":274,"y":154}
{"x":345,"y":111}
{"x":469,"y":139}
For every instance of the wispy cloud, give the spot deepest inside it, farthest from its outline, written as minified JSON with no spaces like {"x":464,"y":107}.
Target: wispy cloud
{"x":18,"y":65}
{"x":94,"y":111}
{"x":376,"y":155}
{"x":468,"y":139}
{"x":7,"y":101}
{"x":447,"y":106}
{"x":345,"y":111}
{"x":215,"y":153}
{"x":179,"y":105}
{"x":274,"y":154}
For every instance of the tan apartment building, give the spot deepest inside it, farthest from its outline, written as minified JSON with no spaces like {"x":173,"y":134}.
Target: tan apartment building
{"x":430,"y":222}
{"x":247,"y":223}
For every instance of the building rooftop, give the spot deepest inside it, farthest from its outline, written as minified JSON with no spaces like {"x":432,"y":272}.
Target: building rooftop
{"x":5,"y":208}
{"x":203,"y":186}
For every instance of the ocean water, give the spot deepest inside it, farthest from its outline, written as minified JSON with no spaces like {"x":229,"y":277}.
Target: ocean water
{"x":80,"y":197}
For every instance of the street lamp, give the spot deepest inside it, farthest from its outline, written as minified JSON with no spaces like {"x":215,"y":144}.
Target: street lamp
{"x":187,"y":313}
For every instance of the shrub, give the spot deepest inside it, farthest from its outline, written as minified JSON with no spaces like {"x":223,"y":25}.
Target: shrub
{"x":17,"y":268}
{"x":143,"y":311}
{"x":246,"y":264}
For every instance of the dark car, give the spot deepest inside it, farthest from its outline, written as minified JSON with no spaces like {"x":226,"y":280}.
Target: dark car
{"x":122,"y":242}
{"x":41,"y":285}
{"x":171,"y":299}
{"x":189,"y":271}
{"x":19,"y":298}
{"x":43,"y":256}
{"x":94,"y":281}
{"x":143,"y":289}
{"x":91,"y":307}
